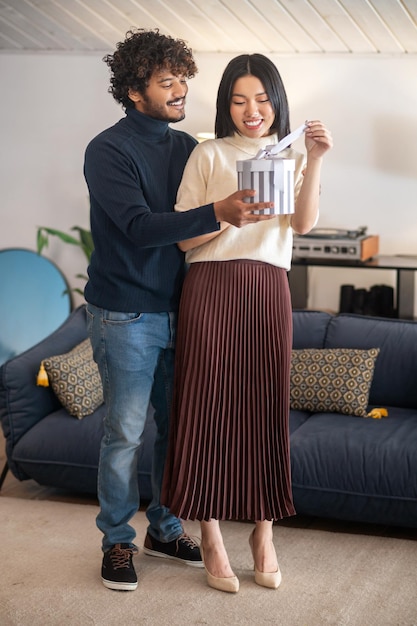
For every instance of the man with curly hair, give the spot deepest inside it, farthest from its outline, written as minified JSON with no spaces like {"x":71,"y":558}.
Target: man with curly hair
{"x":133,"y":171}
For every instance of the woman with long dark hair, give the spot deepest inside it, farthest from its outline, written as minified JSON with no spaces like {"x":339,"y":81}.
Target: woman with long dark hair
{"x":228,"y":456}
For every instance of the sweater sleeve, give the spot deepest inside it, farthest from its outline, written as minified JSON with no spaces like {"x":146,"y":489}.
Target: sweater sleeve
{"x":117,"y":188}
{"x":209,"y":175}
{"x":193,"y":188}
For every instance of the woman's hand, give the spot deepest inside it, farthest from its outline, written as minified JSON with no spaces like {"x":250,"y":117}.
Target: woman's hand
{"x":318,"y":139}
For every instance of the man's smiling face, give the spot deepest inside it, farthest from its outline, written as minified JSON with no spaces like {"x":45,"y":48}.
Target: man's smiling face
{"x":164,"y":98}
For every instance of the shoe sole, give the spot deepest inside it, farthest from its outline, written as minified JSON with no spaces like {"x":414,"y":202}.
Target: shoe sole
{"x":111,"y":584}
{"x":162,"y":555}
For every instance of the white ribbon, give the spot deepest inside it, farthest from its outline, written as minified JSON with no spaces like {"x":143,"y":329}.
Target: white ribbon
{"x":271,"y":150}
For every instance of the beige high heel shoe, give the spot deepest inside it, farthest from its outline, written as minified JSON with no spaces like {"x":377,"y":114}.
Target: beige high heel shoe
{"x":229,"y":584}
{"x":272,"y":580}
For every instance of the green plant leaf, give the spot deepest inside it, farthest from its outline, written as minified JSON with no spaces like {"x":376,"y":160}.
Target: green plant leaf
{"x":84,"y":241}
{"x":41,"y":241}
{"x":61,"y":235}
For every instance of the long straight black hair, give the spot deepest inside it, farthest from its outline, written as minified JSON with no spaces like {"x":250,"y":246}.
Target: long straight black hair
{"x":255,"y":65}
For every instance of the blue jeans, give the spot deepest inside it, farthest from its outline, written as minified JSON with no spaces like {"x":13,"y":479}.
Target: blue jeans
{"x":135,"y":356}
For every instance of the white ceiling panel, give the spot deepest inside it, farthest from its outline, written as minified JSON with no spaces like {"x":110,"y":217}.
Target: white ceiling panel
{"x":278,"y":26}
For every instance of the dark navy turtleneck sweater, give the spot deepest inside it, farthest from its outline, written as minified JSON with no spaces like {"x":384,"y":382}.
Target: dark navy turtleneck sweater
{"x":133,"y":171}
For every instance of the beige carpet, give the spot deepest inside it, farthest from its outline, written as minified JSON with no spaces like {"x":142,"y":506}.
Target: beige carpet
{"x":50,"y":561}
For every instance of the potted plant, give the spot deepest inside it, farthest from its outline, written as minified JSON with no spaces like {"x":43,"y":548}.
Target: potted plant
{"x":83,"y":240}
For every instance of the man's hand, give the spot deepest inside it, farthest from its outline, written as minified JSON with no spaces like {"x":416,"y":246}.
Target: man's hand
{"x":239,"y":213}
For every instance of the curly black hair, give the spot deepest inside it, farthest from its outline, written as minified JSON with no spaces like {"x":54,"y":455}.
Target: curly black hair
{"x":141,"y":54}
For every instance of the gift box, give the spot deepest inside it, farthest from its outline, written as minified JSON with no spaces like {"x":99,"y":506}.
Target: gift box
{"x":273,"y":180}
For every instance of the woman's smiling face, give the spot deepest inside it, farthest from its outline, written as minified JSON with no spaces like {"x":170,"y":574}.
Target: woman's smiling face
{"x":250,"y":108}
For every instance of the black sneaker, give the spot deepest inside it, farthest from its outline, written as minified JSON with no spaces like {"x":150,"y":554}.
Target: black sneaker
{"x":117,"y":571}
{"x":183,"y":549}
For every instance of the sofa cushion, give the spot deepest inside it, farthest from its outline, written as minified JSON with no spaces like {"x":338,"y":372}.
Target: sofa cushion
{"x":394,"y":382}
{"x":297,"y":419}
{"x":357,"y":469}
{"x":60,"y":451}
{"x":309,"y":328}
{"x":335,"y":380}
{"x":75,"y":379}
{"x":22,"y":402}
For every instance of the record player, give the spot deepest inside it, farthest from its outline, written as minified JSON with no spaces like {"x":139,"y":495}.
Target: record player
{"x":336,"y":243}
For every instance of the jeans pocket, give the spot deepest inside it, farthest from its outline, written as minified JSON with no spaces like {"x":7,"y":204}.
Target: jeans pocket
{"x":119,"y":317}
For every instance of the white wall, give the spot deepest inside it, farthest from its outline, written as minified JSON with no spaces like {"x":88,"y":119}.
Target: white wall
{"x":52,"y":105}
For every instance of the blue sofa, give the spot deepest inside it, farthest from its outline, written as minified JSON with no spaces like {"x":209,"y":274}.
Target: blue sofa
{"x":44,"y":442}
{"x":343,"y":466}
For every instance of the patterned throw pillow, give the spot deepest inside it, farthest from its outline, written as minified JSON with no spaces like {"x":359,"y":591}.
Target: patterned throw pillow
{"x":335,"y":380}
{"x":75,"y":380}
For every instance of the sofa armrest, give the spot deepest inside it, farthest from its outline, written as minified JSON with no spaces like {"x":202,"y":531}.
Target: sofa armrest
{"x":22,"y":402}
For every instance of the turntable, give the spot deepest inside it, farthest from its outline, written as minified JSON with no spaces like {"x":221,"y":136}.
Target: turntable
{"x":336,"y":243}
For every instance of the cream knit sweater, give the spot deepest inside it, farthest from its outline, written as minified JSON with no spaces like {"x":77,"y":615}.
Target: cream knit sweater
{"x":210,"y":175}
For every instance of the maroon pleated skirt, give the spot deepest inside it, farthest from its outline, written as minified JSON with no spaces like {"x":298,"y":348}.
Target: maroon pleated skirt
{"x":228,"y":455}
